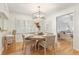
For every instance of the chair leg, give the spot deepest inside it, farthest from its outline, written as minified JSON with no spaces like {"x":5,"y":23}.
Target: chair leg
{"x":28,"y":50}
{"x":22,"y":46}
{"x":25,"y":50}
{"x":38,"y":47}
{"x":32,"y":47}
{"x":54,"y":49}
{"x":35,"y":45}
{"x":44,"y":51}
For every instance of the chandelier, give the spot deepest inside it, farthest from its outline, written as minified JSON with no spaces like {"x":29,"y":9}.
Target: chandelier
{"x":37,"y":16}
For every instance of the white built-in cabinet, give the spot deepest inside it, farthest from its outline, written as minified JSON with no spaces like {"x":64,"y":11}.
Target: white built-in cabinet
{"x":4,"y":12}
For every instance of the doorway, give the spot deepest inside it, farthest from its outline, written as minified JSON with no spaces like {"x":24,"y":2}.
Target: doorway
{"x":64,"y":29}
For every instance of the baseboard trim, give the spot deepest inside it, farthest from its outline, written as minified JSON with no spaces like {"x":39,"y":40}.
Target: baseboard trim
{"x":76,"y":50}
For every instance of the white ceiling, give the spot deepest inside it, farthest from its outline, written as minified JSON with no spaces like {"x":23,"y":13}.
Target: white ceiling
{"x":30,"y":8}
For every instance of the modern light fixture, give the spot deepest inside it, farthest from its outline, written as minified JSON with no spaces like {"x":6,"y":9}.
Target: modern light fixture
{"x":38,"y":16}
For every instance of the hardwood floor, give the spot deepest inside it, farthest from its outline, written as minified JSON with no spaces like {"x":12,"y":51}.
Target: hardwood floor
{"x":62,"y":48}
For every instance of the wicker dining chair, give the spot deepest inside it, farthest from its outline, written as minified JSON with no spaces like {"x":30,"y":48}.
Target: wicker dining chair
{"x":49,"y":42}
{"x":27,"y":42}
{"x":8,"y":42}
{"x":23,"y":45}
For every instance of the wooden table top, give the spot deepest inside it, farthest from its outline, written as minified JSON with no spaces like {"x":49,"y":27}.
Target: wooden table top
{"x":36,"y":37}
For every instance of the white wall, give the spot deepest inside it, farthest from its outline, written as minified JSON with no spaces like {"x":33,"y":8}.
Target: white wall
{"x":51,"y":20}
{"x":76,"y":29}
